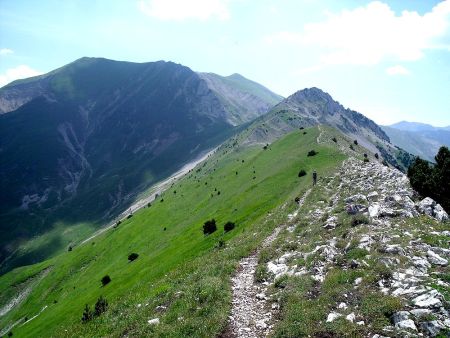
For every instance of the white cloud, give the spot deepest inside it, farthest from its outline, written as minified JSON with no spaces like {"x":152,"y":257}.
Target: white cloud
{"x":6,"y":51}
{"x":178,"y":10}
{"x":397,"y":70}
{"x":19,"y":72}
{"x":374,"y":33}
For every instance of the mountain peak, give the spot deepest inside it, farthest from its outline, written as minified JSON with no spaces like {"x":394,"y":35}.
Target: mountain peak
{"x":312,"y":93}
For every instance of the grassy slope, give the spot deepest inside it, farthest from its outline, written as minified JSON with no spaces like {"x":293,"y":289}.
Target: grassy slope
{"x":179,"y":258}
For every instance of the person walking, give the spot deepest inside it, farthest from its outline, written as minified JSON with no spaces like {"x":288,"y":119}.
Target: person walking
{"x":314,"y":177}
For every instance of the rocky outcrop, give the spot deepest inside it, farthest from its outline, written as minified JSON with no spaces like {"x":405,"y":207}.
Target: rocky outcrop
{"x":394,"y":230}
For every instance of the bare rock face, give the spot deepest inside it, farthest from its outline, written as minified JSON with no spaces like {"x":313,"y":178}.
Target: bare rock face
{"x":429,"y":207}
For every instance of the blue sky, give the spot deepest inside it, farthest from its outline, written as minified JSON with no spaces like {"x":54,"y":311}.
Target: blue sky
{"x":390,"y":60}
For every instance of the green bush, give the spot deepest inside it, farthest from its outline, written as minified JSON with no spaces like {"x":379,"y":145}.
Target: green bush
{"x":301,"y":173}
{"x":106,"y":280}
{"x":312,"y":153}
{"x":209,"y":227}
{"x":87,"y":314}
{"x":261,"y":273}
{"x":229,"y":226}
{"x":132,"y":256}
{"x":432,"y":181}
{"x":100,"y":306}
{"x":366,"y":160}
{"x":334,"y":139}
{"x":359,"y":219}
{"x":355,"y":142}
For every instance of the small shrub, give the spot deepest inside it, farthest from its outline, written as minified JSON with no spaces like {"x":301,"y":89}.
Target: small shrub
{"x":100,"y":306}
{"x":209,"y":227}
{"x":312,"y":153}
{"x":359,"y":219}
{"x":377,"y":156}
{"x":106,"y":280}
{"x":261,"y":273}
{"x":229,"y":226}
{"x":129,"y":216}
{"x":220,"y":244}
{"x":351,"y":147}
{"x":70,"y":248}
{"x":301,"y":173}
{"x":385,"y":163}
{"x":281,"y":282}
{"x":365,"y":155}
{"x":301,"y":128}
{"x":87,"y":314}
{"x":366,"y":160}
{"x":132,"y":256}
{"x":10,"y":334}
{"x":149,"y":205}
{"x":355,"y":142}
{"x":304,"y":133}
{"x":334,"y":139}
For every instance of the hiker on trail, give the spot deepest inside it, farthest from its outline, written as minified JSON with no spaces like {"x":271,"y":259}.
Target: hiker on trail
{"x":314,"y":177}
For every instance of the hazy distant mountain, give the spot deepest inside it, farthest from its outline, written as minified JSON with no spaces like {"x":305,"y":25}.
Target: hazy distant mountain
{"x":415,"y":126}
{"x":77,"y":144}
{"x":419,"y":139}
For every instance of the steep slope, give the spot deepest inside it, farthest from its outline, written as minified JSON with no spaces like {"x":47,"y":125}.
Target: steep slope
{"x":422,"y":140}
{"x":85,"y":139}
{"x":313,"y":106}
{"x":181,"y":276}
{"x":245,"y":99}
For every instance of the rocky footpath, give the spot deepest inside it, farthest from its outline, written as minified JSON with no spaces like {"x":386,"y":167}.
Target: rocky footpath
{"x":366,"y":222}
{"x":251,"y":315}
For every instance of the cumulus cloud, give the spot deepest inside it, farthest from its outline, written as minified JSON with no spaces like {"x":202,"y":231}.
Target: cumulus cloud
{"x":374,"y":33}
{"x":397,"y":70}
{"x":6,"y":51}
{"x":178,"y":10}
{"x":19,"y":72}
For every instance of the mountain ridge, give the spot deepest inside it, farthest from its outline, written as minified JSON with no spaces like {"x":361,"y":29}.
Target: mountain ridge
{"x":100,"y":130}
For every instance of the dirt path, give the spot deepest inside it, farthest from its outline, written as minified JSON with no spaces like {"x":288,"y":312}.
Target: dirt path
{"x":320,"y":134}
{"x":250,"y":313}
{"x":155,"y":190}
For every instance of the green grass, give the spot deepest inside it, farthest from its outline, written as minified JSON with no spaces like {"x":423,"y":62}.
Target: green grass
{"x":179,"y":267}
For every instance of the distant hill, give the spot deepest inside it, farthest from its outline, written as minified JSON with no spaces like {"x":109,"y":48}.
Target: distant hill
{"x":79,"y":143}
{"x":416,"y":126}
{"x":419,"y":139}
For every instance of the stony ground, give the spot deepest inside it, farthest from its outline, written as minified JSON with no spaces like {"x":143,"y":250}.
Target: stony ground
{"x":251,"y":315}
{"x":363,"y":257}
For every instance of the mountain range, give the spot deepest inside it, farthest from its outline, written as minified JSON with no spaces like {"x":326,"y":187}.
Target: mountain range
{"x":99,"y":237}
{"x":420,"y":139}
{"x":79,"y":143}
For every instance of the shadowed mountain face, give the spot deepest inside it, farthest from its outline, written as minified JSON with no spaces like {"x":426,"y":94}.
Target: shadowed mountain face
{"x":419,"y":139}
{"x":79,"y":143}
